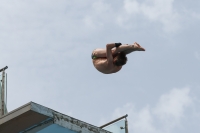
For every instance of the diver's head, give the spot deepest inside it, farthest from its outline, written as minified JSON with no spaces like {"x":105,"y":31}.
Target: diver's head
{"x":120,"y":59}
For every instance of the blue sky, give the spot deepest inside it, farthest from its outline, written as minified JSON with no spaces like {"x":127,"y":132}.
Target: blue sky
{"x":47,"y":46}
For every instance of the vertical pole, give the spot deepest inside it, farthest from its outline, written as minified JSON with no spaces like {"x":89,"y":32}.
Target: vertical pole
{"x":0,"y":97}
{"x":3,"y":93}
{"x":126,"y":126}
{"x":3,"y":109}
{"x":6,"y":92}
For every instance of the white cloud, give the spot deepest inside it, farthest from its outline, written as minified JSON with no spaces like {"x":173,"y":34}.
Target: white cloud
{"x":171,"y":106}
{"x":89,"y":22}
{"x":196,"y":15}
{"x":131,"y":6}
{"x":100,"y":13}
{"x":162,"y":118}
{"x":197,"y":55}
{"x":153,"y":10}
{"x":144,"y":121}
{"x":101,"y":7}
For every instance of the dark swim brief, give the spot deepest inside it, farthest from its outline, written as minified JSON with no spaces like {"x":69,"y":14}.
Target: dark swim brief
{"x":93,"y":56}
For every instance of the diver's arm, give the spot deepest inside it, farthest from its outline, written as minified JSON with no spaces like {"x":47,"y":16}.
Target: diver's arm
{"x":109,"y":52}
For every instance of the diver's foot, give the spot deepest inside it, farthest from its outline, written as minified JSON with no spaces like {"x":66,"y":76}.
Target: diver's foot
{"x":138,"y":47}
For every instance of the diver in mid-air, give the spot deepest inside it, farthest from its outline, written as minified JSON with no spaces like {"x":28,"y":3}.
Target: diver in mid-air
{"x":111,"y":59}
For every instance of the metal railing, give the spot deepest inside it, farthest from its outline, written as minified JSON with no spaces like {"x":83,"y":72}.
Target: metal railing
{"x":117,"y":124}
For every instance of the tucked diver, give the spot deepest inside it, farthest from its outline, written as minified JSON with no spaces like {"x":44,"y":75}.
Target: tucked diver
{"x":111,"y":59}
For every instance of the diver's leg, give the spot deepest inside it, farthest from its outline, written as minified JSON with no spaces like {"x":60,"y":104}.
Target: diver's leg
{"x":99,"y":52}
{"x":127,"y":49}
{"x":123,"y":48}
{"x":102,"y":52}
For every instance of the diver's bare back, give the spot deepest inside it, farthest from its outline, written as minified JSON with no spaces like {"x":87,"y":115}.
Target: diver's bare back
{"x":111,"y":59}
{"x":101,"y":64}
